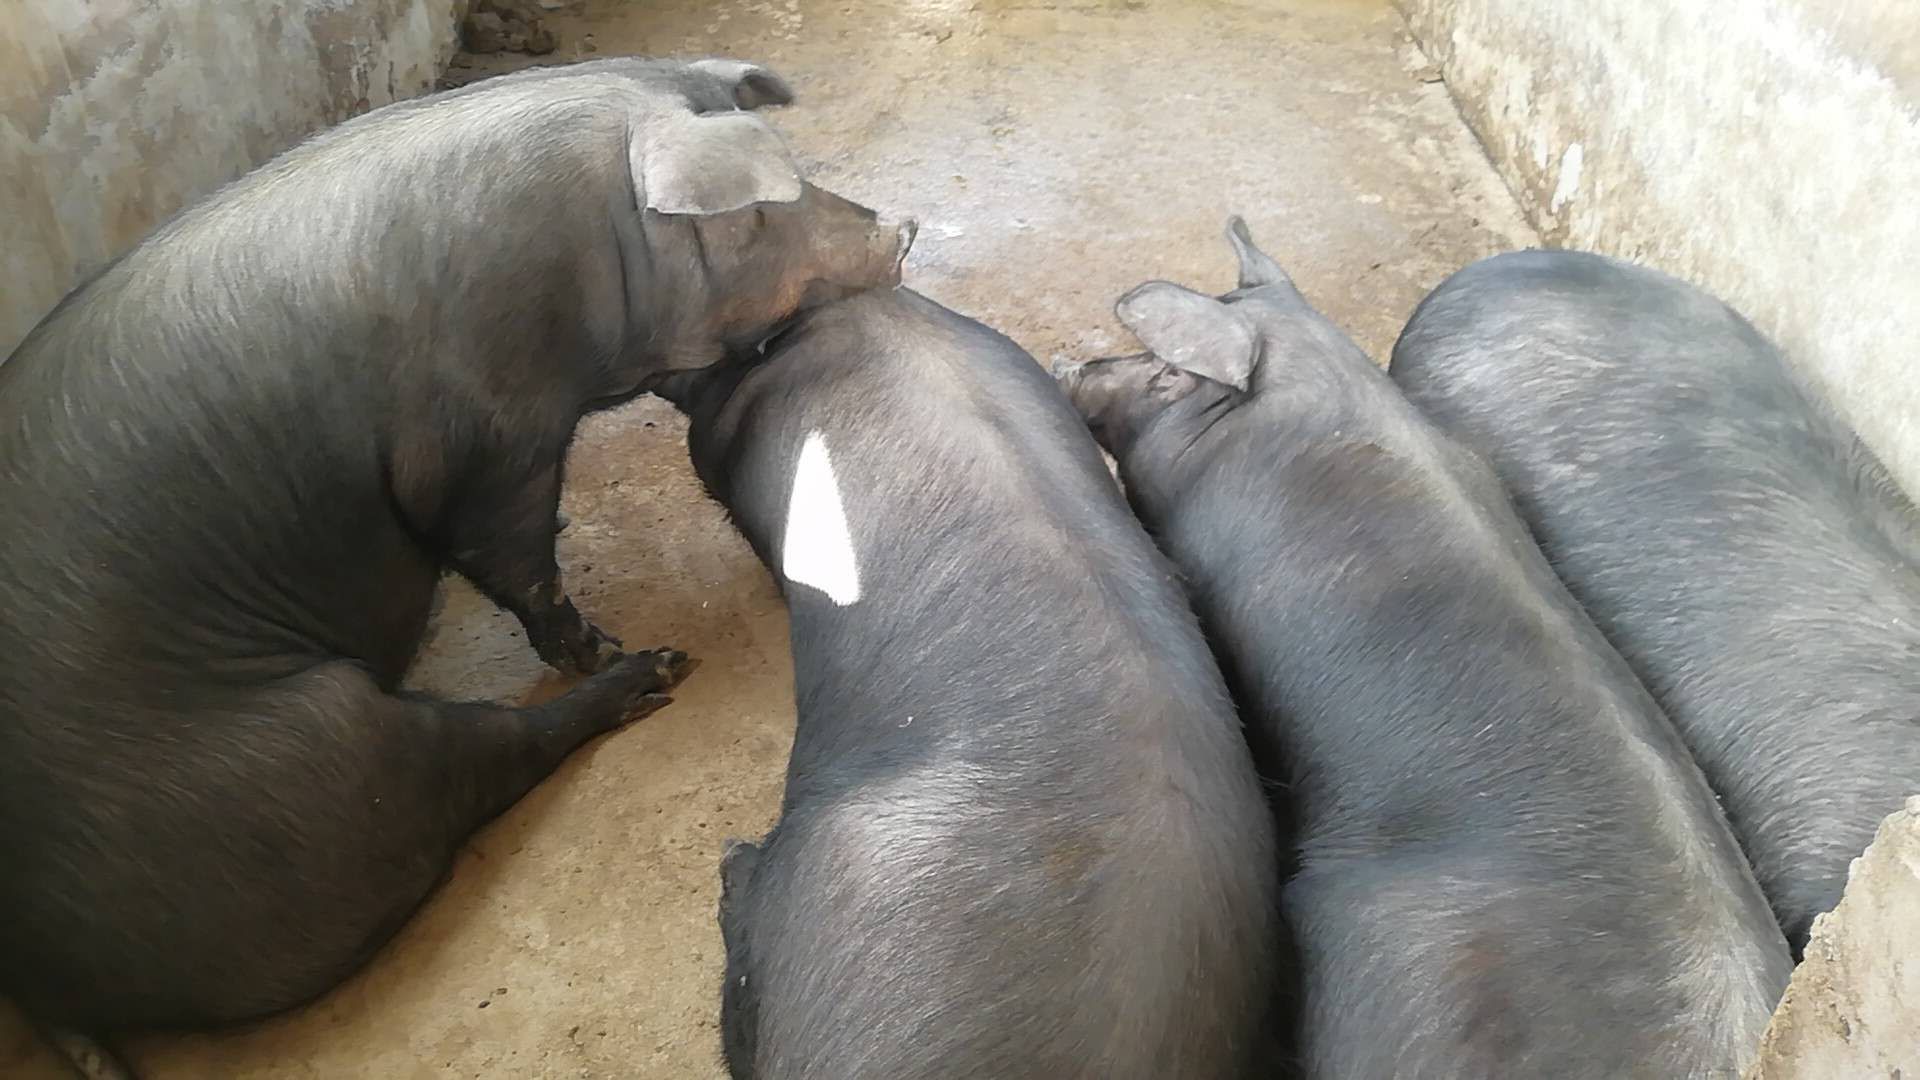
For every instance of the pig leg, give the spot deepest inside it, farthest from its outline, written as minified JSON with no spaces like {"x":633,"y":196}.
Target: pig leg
{"x":507,"y":751}
{"x":738,"y":995}
{"x":260,"y":857}
{"x":501,"y":535}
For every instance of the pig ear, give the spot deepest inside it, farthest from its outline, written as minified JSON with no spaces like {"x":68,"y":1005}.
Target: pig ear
{"x":1256,"y":266}
{"x":1193,"y":332}
{"x":689,"y":164}
{"x":750,"y":85}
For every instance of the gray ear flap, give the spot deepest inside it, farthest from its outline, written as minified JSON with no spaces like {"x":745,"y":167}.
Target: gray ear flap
{"x":1256,"y":266}
{"x":1193,"y":332}
{"x":689,"y":164}
{"x":751,"y":85}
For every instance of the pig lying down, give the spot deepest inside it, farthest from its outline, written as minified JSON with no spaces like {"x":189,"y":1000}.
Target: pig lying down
{"x":1021,"y":836}
{"x":1507,"y":864}
{"x":237,"y":460}
{"x":1750,"y":558}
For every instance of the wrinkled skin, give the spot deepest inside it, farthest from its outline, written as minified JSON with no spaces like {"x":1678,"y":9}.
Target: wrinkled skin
{"x":1733,"y":538}
{"x":234,"y":464}
{"x":1507,"y":863}
{"x":1022,"y":837}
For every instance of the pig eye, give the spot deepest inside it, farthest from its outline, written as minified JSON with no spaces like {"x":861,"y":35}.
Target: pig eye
{"x":759,"y":217}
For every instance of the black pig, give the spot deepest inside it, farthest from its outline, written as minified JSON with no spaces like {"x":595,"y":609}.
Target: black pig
{"x":1732,"y":537}
{"x":235,"y":462}
{"x":1507,"y":864}
{"x":1022,"y":836}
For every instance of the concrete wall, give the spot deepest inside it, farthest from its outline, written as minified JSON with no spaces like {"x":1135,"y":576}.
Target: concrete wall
{"x":1853,"y":1009}
{"x":115,"y":113}
{"x":1766,"y":149}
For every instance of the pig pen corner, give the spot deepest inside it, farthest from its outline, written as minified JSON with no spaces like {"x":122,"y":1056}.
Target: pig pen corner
{"x":577,"y":937}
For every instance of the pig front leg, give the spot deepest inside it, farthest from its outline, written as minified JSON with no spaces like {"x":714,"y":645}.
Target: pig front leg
{"x":501,"y":538}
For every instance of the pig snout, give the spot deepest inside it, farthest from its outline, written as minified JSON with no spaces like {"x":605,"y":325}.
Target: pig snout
{"x":873,"y":261}
{"x":853,"y":247}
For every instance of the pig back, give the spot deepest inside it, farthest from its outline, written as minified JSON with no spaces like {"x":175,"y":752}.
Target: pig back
{"x":1745,"y":552}
{"x":1022,"y":835}
{"x":194,"y":509}
{"x":1493,"y":819}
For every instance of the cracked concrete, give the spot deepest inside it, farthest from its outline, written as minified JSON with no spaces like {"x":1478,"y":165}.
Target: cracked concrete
{"x":1057,"y":154}
{"x":1849,"y":1012}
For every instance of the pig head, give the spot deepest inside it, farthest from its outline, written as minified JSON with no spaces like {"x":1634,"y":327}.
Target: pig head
{"x":746,"y":242}
{"x":716,"y":237}
{"x":623,"y":220}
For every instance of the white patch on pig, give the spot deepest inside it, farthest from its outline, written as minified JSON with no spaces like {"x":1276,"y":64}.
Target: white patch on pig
{"x":1570,"y":164}
{"x":818,"y":548}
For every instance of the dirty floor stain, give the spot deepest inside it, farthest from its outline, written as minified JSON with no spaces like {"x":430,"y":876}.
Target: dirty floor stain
{"x":1057,"y":154}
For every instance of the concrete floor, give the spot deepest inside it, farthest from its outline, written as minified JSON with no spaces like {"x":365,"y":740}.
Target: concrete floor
{"x":1057,"y":153}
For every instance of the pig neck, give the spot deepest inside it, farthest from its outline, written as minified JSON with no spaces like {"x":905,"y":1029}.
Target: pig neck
{"x":1165,"y":449}
{"x":667,"y":292}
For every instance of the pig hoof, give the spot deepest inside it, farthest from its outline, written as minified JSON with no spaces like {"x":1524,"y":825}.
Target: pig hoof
{"x":646,"y":705}
{"x":592,"y":651}
{"x":672,"y":666}
{"x":641,"y":678}
{"x":606,"y":650}
{"x":651,"y":672}
{"x":584,"y":651}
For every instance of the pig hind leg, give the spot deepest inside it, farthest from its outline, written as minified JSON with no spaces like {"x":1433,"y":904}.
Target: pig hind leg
{"x":507,"y":751}
{"x":738,"y":995}
{"x":256,"y":856}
